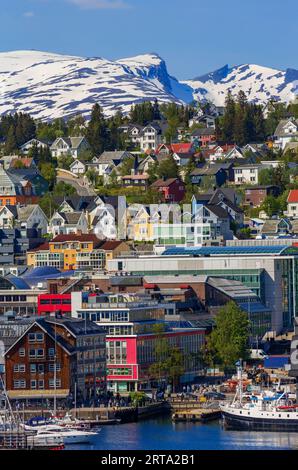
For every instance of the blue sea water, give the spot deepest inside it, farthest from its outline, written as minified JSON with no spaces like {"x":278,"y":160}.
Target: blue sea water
{"x":162,"y":434}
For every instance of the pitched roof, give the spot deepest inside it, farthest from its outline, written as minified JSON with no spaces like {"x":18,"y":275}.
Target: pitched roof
{"x":293,"y":196}
{"x":74,"y":237}
{"x":218,"y":211}
{"x":164,"y":183}
{"x":71,"y":218}
{"x":203,"y":131}
{"x":280,"y":130}
{"x":110,"y":157}
{"x":181,"y":148}
{"x":24,"y":212}
{"x":110,"y":245}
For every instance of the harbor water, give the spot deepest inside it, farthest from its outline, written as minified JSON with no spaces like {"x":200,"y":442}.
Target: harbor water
{"x":162,"y":434}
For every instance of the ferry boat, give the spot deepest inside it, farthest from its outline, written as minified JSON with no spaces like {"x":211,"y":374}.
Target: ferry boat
{"x":268,"y":411}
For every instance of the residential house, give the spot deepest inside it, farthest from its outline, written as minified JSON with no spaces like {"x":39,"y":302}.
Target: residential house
{"x":292,"y":209}
{"x":222,"y":152}
{"x":248,"y":174}
{"x":147,"y":137}
{"x":226,"y":198}
{"x":23,"y":186}
{"x":73,"y":146}
{"x":210,"y":224}
{"x":200,"y":118}
{"x":209,"y":176}
{"x":49,"y":359}
{"x":141,"y":225}
{"x":182,"y":159}
{"x":65,"y":223}
{"x":25,"y":217}
{"x":204,"y":136}
{"x":170,"y":190}
{"x":286,"y":131}
{"x":255,"y":196}
{"x":135,"y":181}
{"x":78,"y":168}
{"x":274,"y":228}
{"x":40,"y":144}
{"x":109,"y":161}
{"x":103,"y":222}
{"x":15,"y":162}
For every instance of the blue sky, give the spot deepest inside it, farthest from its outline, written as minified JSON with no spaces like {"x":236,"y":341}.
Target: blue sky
{"x":193,"y":36}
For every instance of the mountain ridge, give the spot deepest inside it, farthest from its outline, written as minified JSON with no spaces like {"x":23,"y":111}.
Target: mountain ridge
{"x":49,"y":85}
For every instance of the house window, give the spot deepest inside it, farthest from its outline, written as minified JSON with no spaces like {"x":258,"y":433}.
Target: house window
{"x":19,"y":383}
{"x":51,"y":352}
{"x":22,"y":352}
{"x":19,"y":368}
{"x":38,"y":353}
{"x":52,"y":367}
{"x":41,"y":384}
{"x":36,"y":337}
{"x":52,"y":383}
{"x":33,"y":384}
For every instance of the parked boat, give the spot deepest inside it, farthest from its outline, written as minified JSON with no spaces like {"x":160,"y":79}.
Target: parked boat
{"x":69,"y":435}
{"x":268,"y":411}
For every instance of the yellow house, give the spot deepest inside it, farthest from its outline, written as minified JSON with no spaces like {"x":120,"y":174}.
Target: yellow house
{"x":142,"y":225}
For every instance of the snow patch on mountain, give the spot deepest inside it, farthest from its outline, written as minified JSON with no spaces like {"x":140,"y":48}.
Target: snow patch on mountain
{"x":49,"y":85}
{"x":259,"y":84}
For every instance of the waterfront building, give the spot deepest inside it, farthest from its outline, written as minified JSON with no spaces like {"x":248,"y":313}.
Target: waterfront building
{"x":270,"y":271}
{"x":130,"y":324}
{"x":71,"y":351}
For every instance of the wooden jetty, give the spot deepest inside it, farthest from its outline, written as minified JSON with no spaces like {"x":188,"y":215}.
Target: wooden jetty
{"x":197,"y":414}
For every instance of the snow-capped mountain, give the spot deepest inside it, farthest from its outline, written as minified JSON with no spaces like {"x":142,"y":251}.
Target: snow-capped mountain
{"x":259,"y":84}
{"x":50,"y":85}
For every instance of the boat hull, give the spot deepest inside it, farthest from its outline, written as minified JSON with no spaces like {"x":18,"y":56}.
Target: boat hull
{"x":232,"y":421}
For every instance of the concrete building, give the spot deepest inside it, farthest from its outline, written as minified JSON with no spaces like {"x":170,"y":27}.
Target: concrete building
{"x":270,"y":271}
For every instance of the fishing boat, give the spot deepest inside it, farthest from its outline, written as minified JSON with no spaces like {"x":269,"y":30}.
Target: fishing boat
{"x":267,"y":411}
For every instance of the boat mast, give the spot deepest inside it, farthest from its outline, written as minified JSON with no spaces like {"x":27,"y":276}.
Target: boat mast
{"x":55,"y":375}
{"x":239,"y":376}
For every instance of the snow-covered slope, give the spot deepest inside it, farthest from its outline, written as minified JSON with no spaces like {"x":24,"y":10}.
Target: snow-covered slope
{"x":51,"y":85}
{"x":259,"y":83}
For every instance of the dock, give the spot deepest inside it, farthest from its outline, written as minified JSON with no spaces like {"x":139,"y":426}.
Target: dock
{"x":197,"y":415}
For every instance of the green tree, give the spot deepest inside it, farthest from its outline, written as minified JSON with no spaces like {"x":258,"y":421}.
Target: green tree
{"x":271,"y":206}
{"x":48,"y":171}
{"x":168,"y":168}
{"x":228,"y":341}
{"x":11,"y":145}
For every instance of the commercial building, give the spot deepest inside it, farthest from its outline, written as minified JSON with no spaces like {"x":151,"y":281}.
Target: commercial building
{"x":270,"y":271}
{"x":130,"y":324}
{"x":54,"y":357}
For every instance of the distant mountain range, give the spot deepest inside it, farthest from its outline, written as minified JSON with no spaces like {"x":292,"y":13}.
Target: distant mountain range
{"x":50,"y":85}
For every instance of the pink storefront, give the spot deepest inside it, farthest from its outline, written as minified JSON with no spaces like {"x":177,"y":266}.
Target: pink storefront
{"x":129,"y":357}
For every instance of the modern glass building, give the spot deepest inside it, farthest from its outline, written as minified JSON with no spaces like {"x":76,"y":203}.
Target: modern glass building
{"x":270,"y":271}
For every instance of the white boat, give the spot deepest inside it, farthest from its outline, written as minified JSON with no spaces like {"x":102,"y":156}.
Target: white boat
{"x":267,"y":411}
{"x":50,"y":440}
{"x":69,"y":435}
